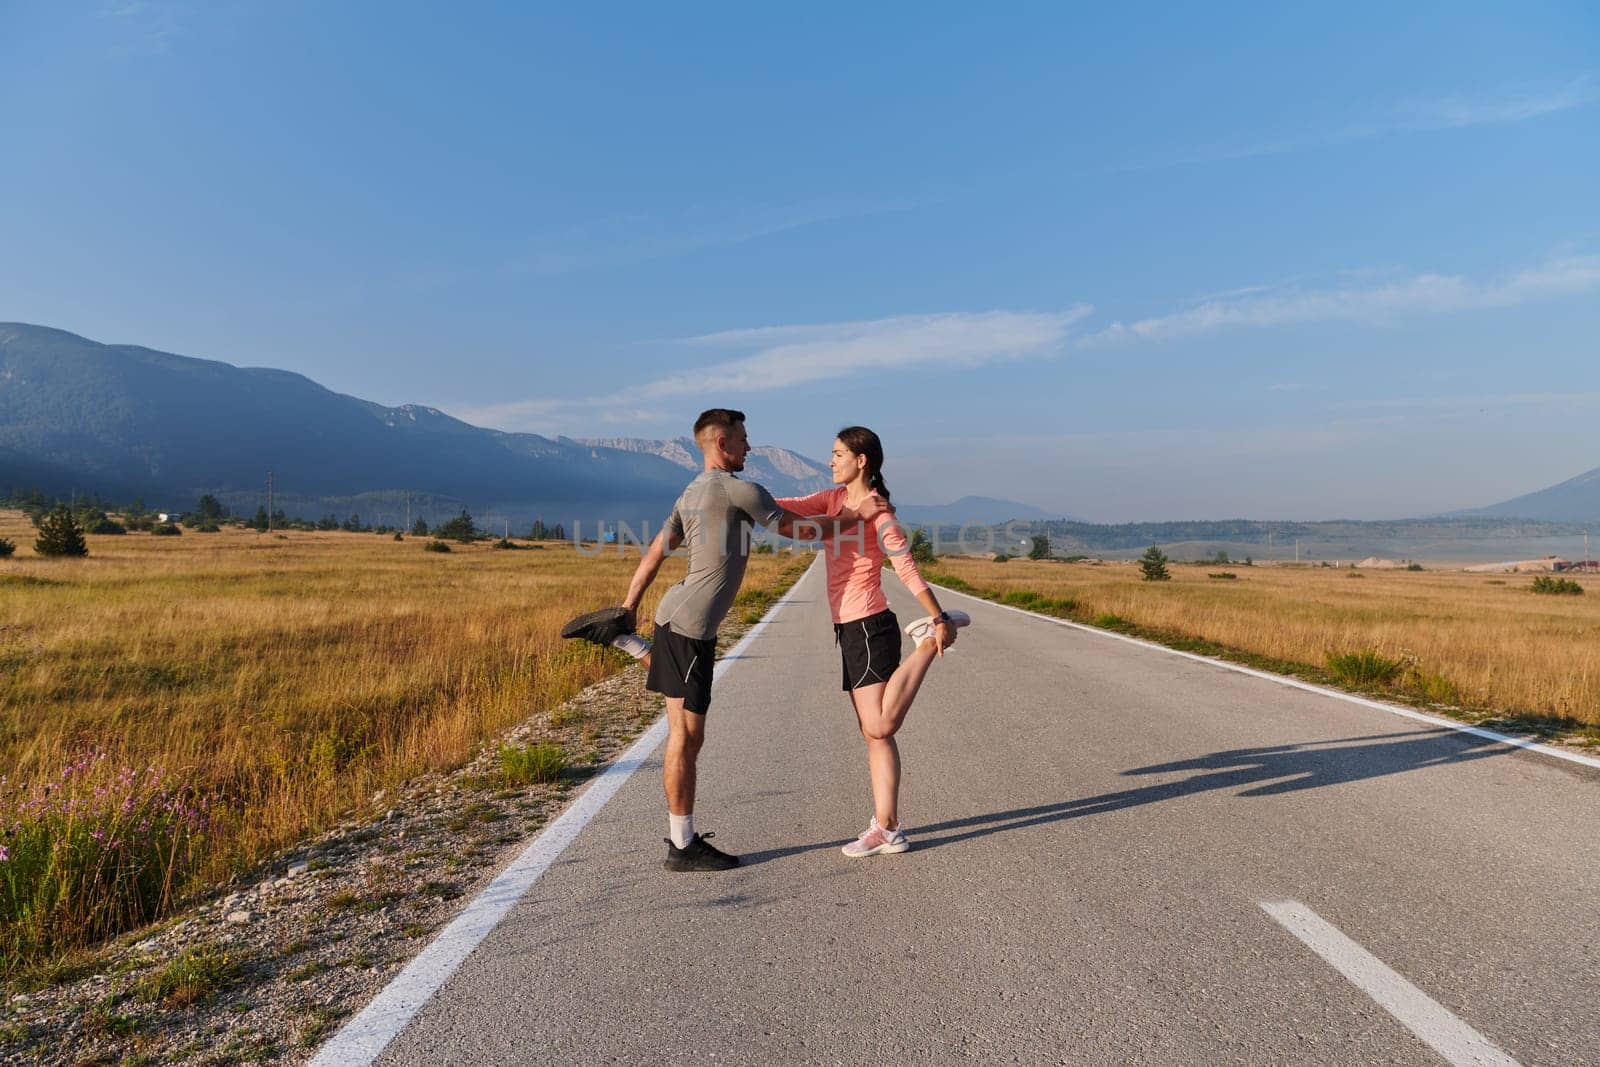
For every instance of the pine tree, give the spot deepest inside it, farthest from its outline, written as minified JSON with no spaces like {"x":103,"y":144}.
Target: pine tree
{"x":260,"y":522}
{"x":1154,"y":564}
{"x":60,"y":535}
{"x":1041,"y":547}
{"x":420,"y":528}
{"x":460,"y":528}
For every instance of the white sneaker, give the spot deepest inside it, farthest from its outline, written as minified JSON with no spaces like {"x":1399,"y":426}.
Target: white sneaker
{"x":922,"y":629}
{"x":876,"y":840}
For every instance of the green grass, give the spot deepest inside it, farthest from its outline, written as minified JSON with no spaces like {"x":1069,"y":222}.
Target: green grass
{"x":525,"y":765}
{"x":197,"y":975}
{"x":310,"y":970}
{"x":1368,"y":667}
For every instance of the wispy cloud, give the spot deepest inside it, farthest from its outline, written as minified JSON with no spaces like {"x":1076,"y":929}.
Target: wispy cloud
{"x":146,"y":27}
{"x":626,"y":240}
{"x":1506,"y":104}
{"x":788,"y":356}
{"x":1420,"y":294}
{"x":795,"y":355}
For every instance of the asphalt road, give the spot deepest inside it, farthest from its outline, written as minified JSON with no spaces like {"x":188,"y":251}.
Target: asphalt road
{"x":1100,"y":835}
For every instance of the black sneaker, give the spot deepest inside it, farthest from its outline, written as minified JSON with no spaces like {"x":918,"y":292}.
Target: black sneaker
{"x":599,"y":626}
{"x":698,"y":855}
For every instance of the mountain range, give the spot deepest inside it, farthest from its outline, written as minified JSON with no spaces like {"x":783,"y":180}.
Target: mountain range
{"x":126,"y":421}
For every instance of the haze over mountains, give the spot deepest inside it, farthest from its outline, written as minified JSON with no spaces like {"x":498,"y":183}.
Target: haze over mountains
{"x":126,"y":421}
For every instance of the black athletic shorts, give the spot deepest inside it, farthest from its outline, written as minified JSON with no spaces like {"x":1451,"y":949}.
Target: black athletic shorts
{"x":681,"y":667}
{"x":870,"y":648}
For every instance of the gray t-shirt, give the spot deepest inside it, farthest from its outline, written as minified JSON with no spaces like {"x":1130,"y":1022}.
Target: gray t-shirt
{"x":714,"y":517}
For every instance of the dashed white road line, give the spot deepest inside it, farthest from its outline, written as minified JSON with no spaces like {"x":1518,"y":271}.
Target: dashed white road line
{"x":364,"y":1037}
{"x":1295,"y":683}
{"x":1447,"y":1035}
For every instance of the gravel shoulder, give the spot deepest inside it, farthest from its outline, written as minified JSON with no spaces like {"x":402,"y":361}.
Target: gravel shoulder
{"x":282,"y":956}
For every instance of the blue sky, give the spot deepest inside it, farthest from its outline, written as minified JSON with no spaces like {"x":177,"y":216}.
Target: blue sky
{"x":1210,"y":262}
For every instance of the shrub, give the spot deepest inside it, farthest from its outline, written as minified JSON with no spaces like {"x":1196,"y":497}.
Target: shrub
{"x":1108,"y":621}
{"x":165,"y":529}
{"x":536,"y":763}
{"x":206,"y":527}
{"x":196,"y":975}
{"x":461,"y":528}
{"x":1154,"y":565}
{"x":91,"y":853}
{"x":420,"y":528}
{"x":1556,"y":586}
{"x":60,"y":535}
{"x":101,"y":524}
{"x":1020,"y":598}
{"x":1041,"y":547}
{"x":398,"y":536}
{"x":436,"y":546}
{"x":1366,"y":667}
{"x":764,"y":548}
{"x":1226,"y":576}
{"x":505,"y":543}
{"x":6,"y":548}
{"x":1001,"y":557}
{"x":1434,"y":688}
{"x":1414,"y":567}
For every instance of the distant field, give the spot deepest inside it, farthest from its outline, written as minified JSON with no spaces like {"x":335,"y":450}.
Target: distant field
{"x":1471,"y":642}
{"x":290,"y":675}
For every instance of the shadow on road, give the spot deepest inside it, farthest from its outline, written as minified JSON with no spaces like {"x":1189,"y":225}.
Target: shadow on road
{"x":1268,"y":771}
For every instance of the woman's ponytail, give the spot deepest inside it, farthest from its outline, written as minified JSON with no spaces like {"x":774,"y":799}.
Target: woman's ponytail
{"x":876,"y":483}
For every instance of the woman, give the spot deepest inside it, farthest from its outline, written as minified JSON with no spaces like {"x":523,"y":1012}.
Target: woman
{"x":880,"y":686}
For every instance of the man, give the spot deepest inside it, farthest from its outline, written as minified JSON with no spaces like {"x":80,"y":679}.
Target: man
{"x":713,"y":517}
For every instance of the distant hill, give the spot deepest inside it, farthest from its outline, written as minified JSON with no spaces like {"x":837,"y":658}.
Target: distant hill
{"x":976,"y":509}
{"x":785,"y":473}
{"x":128,"y":421}
{"x":1574,"y":500}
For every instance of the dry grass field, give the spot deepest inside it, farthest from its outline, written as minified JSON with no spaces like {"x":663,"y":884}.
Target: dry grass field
{"x":1473,"y":644}
{"x":278,"y":680}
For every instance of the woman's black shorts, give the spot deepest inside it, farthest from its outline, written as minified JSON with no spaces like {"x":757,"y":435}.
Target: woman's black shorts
{"x":681,"y":667}
{"x":870,"y":648}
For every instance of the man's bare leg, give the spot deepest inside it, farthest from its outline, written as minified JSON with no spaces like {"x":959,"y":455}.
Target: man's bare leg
{"x":686,"y":733}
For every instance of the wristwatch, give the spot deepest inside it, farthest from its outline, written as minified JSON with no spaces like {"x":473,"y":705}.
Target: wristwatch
{"x":943,"y":616}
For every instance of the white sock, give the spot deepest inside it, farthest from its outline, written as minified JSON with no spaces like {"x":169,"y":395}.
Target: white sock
{"x":632,"y":644}
{"x":681,"y":829}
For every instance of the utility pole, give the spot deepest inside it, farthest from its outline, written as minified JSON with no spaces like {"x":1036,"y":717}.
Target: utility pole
{"x":269,"y":502}
{"x":1269,"y":545}
{"x":1297,"y":550}
{"x":408,"y":511}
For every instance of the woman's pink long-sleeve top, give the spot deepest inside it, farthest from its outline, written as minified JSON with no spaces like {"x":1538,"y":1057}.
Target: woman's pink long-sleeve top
{"x":855,"y":558}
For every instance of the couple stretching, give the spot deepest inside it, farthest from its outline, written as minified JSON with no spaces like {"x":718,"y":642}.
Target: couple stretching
{"x":713,"y":518}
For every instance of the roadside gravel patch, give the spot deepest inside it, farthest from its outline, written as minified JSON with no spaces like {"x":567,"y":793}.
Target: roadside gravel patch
{"x":309,"y":937}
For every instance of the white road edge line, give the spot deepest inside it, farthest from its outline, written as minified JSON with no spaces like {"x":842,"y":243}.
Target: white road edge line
{"x":1447,"y":1035}
{"x":1295,"y":683}
{"x":364,"y":1037}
